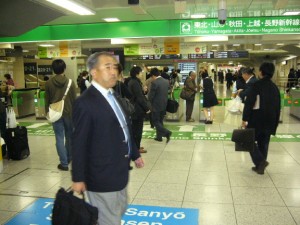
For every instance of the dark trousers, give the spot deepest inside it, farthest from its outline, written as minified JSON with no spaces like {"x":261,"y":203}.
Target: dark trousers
{"x":137,"y":130}
{"x":189,"y":109}
{"x":3,"y":124}
{"x":260,"y":153}
{"x":157,"y":118}
{"x":228,"y":84}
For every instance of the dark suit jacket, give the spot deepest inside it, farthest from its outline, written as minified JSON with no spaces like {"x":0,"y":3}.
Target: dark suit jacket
{"x":158,"y":95}
{"x":248,"y":86}
{"x":98,"y":145}
{"x":138,"y":98}
{"x":266,"y":118}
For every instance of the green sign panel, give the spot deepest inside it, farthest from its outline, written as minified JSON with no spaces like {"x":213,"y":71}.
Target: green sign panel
{"x":255,"y":25}
{"x":131,"y":49}
{"x":163,"y":28}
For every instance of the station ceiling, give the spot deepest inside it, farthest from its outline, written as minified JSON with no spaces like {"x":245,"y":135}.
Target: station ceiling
{"x":149,"y":10}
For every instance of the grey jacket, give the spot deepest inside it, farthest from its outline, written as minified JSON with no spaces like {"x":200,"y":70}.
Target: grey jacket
{"x":54,"y":91}
{"x":158,"y":95}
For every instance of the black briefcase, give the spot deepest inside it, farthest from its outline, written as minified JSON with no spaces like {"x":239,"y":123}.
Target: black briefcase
{"x":71,"y":210}
{"x":172,"y":106}
{"x":17,"y":143}
{"x":244,"y":139}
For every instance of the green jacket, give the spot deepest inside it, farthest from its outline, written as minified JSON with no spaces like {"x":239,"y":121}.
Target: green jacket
{"x":54,"y":91}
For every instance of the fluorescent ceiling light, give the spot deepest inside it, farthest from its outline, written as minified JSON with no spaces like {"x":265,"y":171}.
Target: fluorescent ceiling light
{"x":236,"y":45}
{"x":117,"y":41}
{"x":25,"y":50}
{"x":280,"y":44}
{"x":206,"y":39}
{"x":291,"y":13}
{"x":46,"y":45}
{"x":257,"y":44}
{"x":216,"y":45}
{"x":111,"y":19}
{"x":73,"y":7}
{"x":198,"y":16}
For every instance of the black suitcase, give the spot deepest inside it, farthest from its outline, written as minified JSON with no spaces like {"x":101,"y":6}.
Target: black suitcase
{"x":17,"y":143}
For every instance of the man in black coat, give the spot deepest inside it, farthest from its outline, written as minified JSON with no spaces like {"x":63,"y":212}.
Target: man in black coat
{"x":261,"y":112}
{"x":158,"y":98}
{"x":102,"y":142}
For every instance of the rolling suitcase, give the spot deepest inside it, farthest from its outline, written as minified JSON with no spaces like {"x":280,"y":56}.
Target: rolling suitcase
{"x":17,"y":143}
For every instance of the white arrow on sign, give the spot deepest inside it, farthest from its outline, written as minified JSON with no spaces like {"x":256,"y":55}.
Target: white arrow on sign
{"x":186,"y":128}
{"x":37,"y":125}
{"x":147,"y":128}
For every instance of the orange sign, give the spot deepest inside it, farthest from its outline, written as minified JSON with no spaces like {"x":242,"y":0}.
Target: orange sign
{"x":64,"y":50}
{"x":172,"y":48}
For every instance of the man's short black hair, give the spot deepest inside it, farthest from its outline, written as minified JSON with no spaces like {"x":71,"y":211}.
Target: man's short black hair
{"x":267,"y":69}
{"x":135,"y":71}
{"x":59,"y":66}
{"x":154,"y":72}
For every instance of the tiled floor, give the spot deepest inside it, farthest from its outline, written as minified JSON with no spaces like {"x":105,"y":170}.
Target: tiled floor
{"x":208,"y":175}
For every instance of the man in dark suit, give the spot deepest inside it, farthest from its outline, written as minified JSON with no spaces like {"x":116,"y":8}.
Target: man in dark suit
{"x":261,"y":112}
{"x":158,"y":98}
{"x":102,"y":142}
{"x":250,"y":79}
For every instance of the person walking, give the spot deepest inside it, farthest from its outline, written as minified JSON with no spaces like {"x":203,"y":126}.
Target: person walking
{"x":84,"y":82}
{"x":209,"y":98}
{"x":190,"y":86}
{"x":158,"y":98}
{"x":103,"y":142}
{"x":262,"y":112}
{"x":140,"y":105}
{"x":55,"y":89}
{"x":229,"y":79}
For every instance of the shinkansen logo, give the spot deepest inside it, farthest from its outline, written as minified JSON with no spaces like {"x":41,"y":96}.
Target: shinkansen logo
{"x":185,"y":27}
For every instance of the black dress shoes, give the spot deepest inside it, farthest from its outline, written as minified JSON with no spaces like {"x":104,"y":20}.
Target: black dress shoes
{"x":157,"y":139}
{"x":260,"y":169}
{"x":168,"y":137}
{"x":63,"y":168}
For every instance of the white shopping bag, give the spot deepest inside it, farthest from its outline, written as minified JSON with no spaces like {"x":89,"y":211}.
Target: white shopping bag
{"x":11,"y":118}
{"x":235,"y":105}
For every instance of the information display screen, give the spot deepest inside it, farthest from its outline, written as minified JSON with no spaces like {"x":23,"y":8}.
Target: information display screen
{"x":220,"y":55}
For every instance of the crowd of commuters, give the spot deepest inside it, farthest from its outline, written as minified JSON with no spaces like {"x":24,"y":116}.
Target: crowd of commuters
{"x":101,"y":138}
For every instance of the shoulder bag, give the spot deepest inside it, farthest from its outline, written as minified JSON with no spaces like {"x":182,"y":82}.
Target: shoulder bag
{"x":126,"y":105}
{"x":56,"y":109}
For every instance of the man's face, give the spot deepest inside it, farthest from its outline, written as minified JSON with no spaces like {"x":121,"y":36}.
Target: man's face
{"x":245,"y":76}
{"x":193,"y":76}
{"x":106,"y":72}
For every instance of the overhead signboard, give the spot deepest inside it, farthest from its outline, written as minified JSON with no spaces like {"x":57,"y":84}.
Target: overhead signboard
{"x":220,"y":55}
{"x":30,"y":68}
{"x":65,"y":49}
{"x":163,"y":28}
{"x":192,"y":48}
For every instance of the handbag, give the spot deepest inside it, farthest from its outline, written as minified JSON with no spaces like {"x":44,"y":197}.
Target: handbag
{"x":126,"y":105}
{"x":186,"y":95}
{"x":71,"y":210}
{"x":244,"y":139}
{"x":56,"y":109}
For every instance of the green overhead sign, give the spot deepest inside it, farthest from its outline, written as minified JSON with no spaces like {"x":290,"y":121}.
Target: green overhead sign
{"x":163,"y":28}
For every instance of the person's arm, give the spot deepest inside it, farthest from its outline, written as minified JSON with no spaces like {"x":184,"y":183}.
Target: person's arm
{"x":249,"y":104}
{"x":152,"y":91}
{"x":138,"y":95}
{"x":80,"y":144}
